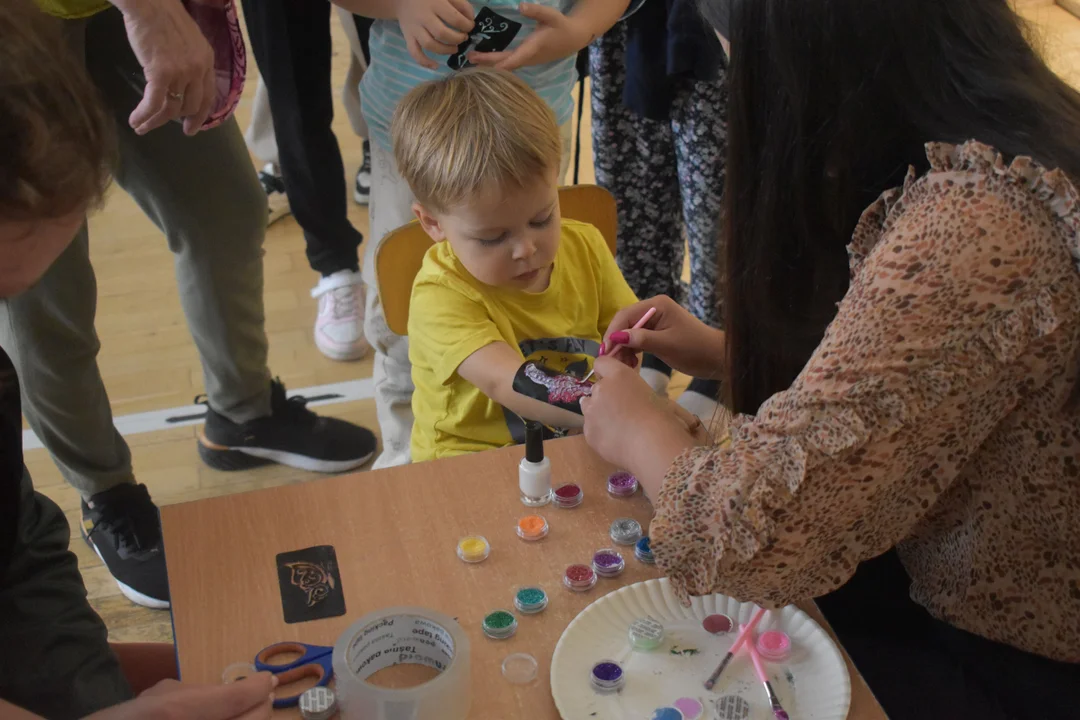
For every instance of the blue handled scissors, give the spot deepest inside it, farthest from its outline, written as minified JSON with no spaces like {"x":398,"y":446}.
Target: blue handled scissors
{"x":315,"y":661}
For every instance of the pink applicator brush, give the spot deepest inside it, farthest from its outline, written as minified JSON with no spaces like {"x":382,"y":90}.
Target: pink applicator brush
{"x":746,"y":634}
{"x":637,"y":326}
{"x":777,"y":709}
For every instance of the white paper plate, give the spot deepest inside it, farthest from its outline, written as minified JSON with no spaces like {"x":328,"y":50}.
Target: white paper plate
{"x":812,"y":685}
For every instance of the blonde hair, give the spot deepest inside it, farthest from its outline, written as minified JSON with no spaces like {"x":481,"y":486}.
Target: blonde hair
{"x":472,"y":130}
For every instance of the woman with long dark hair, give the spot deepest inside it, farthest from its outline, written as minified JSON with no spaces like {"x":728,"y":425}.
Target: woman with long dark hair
{"x":903,"y":352}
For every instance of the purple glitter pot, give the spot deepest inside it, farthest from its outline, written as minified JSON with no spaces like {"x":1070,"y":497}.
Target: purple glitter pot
{"x":607,"y":677}
{"x":608,"y":563}
{"x":621,"y":484}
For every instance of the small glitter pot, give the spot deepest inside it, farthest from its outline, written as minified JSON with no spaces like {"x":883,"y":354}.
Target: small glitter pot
{"x":621,"y":484}
{"x":718,"y":624}
{"x":608,"y":563}
{"x":579,"y":578}
{"x":530,"y":600}
{"x":519,"y":668}
{"x":626,"y":531}
{"x":473,"y":548}
{"x":666,"y":713}
{"x":237,"y":672}
{"x":568,"y":496}
{"x":774,"y":646}
{"x":532,"y":528}
{"x":607,"y":676}
{"x":318,"y":703}
{"x":646,"y":634}
{"x":500,"y":624}
{"x":691,"y":708}
{"x":643,"y":551}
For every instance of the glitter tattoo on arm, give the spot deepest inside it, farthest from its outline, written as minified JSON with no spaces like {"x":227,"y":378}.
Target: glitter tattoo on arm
{"x":561,"y":389}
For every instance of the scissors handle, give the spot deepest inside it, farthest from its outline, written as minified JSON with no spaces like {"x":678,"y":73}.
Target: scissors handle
{"x":314,"y":661}
{"x":262,"y":660}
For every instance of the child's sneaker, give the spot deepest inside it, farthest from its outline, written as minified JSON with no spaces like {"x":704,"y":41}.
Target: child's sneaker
{"x":339,"y":326}
{"x":362,"y":190}
{"x":276,"y":199}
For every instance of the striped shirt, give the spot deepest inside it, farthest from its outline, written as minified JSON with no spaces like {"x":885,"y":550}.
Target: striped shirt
{"x":393,"y":71}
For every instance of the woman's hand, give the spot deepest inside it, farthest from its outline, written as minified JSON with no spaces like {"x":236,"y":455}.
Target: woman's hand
{"x":672,"y":334}
{"x":248,"y":699}
{"x":629,"y":425}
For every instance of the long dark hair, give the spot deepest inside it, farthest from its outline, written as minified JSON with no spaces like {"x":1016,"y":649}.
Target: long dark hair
{"x":831,"y":101}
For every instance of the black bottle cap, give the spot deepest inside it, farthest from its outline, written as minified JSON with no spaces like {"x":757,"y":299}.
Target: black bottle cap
{"x":534,"y":441}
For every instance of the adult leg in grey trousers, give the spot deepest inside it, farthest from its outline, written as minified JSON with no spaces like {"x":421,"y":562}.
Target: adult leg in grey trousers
{"x":202,"y":192}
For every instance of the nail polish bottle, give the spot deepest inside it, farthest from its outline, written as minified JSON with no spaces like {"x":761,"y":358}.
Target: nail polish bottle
{"x":534,"y":472}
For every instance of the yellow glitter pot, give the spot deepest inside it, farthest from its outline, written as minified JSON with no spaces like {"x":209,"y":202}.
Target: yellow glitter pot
{"x":473,"y":548}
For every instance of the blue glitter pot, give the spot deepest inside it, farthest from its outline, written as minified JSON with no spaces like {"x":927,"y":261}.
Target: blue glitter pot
{"x":530,"y":600}
{"x":607,"y":676}
{"x":643,"y":551}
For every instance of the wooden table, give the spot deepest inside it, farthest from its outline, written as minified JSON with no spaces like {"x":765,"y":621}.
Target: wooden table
{"x":395,"y":532}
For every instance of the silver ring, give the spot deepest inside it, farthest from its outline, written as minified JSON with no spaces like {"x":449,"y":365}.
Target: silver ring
{"x":175,"y":96}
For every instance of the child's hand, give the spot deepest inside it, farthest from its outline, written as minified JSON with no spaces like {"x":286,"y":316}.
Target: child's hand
{"x":556,"y":36}
{"x":435,"y":25}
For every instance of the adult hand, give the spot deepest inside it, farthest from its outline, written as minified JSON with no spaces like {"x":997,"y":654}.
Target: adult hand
{"x":556,"y":36}
{"x":176,"y":60}
{"x":435,"y":25}
{"x":248,"y":699}
{"x":672,"y":334}
{"x":629,"y":425}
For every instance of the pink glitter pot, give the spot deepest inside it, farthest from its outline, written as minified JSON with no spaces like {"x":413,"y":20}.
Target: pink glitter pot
{"x":608,"y":563}
{"x":579,"y":578}
{"x":621,"y":484}
{"x":691,"y":708}
{"x":568,"y":496}
{"x":774,"y":646}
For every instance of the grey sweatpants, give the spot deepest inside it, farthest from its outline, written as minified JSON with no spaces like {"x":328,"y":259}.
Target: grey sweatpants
{"x":55,"y":658}
{"x":202,"y":192}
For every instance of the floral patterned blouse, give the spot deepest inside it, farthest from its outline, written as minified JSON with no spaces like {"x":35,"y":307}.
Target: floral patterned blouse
{"x":940,"y":415}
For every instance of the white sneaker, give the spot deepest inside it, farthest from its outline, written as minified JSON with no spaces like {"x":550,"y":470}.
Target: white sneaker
{"x":362,"y":186}
{"x":339,"y":326}
{"x":276,"y":199}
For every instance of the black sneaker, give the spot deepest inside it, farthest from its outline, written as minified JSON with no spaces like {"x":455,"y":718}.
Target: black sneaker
{"x":362,"y":191}
{"x":277,"y":202}
{"x":291,"y":435}
{"x":123,"y":527}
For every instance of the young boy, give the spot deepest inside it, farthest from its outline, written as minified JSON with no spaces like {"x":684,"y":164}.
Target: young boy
{"x":414,"y":41}
{"x":507,"y":279}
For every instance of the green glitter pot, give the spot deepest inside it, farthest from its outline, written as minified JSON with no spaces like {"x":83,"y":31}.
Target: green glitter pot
{"x":500,"y":625}
{"x":530,"y":600}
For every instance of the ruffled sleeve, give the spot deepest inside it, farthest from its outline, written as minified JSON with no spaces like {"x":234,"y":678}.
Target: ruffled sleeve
{"x":956,"y":277}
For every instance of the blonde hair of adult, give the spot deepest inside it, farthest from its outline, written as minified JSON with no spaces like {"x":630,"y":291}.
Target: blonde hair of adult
{"x":471,"y":132}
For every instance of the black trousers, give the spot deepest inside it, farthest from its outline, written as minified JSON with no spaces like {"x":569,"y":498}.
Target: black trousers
{"x":920,"y":668}
{"x":292,"y":47}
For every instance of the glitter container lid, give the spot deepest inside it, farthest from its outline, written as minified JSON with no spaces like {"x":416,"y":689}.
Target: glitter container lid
{"x":579,"y":578}
{"x":626,"y":531}
{"x":621,"y":484}
{"x":731,"y":707}
{"x":473,"y":548}
{"x":774,"y":646}
{"x":532,"y":528}
{"x":646,"y":634}
{"x":718,"y":624}
{"x":237,"y":672}
{"x":519,"y":668}
{"x":318,"y":703}
{"x":643,"y":551}
{"x":568,"y":496}
{"x":530,"y":599}
{"x":607,"y":676}
{"x":608,"y":562}
{"x":500,"y":624}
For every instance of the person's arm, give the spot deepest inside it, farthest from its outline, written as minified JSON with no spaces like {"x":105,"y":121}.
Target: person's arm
{"x":437,"y":26}
{"x":844,"y":464}
{"x":492,"y":368}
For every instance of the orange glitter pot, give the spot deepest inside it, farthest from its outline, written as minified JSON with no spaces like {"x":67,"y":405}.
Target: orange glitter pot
{"x":532,"y":528}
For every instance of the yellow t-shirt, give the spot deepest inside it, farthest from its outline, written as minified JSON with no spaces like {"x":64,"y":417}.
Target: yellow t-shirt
{"x":72,"y":8}
{"x":452,"y":315}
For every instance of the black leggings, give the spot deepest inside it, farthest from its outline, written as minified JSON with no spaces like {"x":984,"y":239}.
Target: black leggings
{"x":920,"y":668}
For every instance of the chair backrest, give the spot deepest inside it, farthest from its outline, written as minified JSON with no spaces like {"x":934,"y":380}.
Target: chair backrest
{"x":399,"y":257}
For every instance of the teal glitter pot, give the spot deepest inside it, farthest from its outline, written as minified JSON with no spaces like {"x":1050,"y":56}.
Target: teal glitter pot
{"x":530,"y":600}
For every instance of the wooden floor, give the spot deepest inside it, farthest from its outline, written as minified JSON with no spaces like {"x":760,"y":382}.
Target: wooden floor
{"x":149,"y":363}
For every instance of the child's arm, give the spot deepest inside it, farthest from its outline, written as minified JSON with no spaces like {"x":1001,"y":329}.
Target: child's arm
{"x":435,"y":25}
{"x":557,"y":35}
{"x":492,"y":368}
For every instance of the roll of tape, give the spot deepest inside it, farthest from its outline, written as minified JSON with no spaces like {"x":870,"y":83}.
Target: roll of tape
{"x":397,"y":636}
